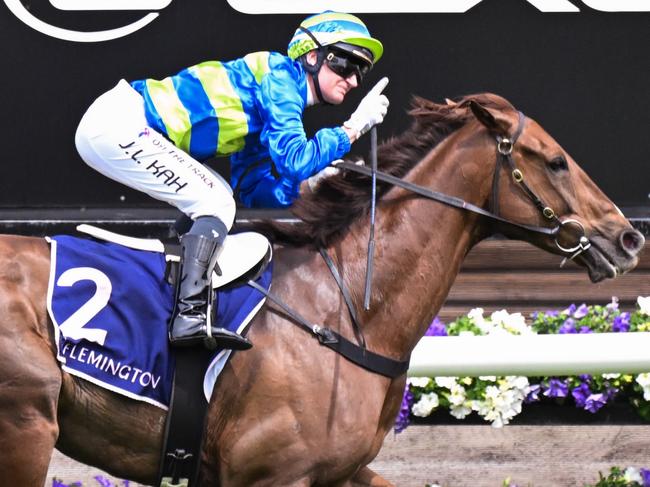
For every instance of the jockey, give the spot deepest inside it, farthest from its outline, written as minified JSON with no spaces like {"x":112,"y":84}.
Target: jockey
{"x":150,"y":135}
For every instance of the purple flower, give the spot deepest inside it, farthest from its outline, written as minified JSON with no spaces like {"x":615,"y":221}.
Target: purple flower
{"x":533,"y":393}
{"x":556,"y":388}
{"x":585,"y":329}
{"x":551,"y":314}
{"x":570,"y":310}
{"x":436,"y":329}
{"x":594,"y":402}
{"x":621,"y":323}
{"x":610,"y":393}
{"x":613,"y":306}
{"x":403,"y":418}
{"x":645,"y":475}
{"x":569,"y":326}
{"x":580,"y":394}
{"x":581,"y":312}
{"x":585,"y":378}
{"x":103,"y":481}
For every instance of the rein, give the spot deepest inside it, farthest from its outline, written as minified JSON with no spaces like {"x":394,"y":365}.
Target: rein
{"x":505,"y":147}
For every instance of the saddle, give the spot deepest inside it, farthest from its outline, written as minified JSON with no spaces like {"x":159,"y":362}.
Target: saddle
{"x":244,"y":256}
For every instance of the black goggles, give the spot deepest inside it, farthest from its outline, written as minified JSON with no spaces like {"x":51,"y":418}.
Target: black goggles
{"x":345,"y":66}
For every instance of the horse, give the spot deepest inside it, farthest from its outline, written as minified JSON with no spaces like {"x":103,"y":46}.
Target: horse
{"x":290,"y":412}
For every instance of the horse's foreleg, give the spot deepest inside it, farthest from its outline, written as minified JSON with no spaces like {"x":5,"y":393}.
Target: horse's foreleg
{"x":29,"y":387}
{"x":28,"y":429}
{"x":367,"y":478}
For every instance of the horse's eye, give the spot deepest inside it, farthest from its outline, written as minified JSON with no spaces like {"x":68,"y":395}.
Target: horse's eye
{"x":558,"y":164}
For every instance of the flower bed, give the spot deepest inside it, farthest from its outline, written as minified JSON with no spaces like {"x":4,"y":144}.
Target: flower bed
{"x":499,"y":399}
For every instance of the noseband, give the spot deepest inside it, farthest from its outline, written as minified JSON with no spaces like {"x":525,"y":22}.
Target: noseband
{"x":504,"y":146}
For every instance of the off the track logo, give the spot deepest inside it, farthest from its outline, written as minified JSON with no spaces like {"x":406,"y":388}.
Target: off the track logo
{"x":19,"y":10}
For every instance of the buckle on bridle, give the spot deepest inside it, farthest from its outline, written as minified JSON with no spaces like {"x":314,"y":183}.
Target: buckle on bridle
{"x":324,"y":335}
{"x":505,"y":146}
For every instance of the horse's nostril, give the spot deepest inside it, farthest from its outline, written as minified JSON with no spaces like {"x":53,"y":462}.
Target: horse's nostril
{"x":632,"y":241}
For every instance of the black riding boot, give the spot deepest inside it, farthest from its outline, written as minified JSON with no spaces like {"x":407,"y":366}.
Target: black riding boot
{"x":193,"y":308}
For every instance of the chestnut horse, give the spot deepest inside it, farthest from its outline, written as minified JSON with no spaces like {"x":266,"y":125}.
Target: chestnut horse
{"x":290,"y":412}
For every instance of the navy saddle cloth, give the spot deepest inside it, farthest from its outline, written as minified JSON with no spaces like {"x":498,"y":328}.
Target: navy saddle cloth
{"x":110,"y":306}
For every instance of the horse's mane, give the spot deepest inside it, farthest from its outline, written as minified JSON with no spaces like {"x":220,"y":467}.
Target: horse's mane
{"x":325,"y":214}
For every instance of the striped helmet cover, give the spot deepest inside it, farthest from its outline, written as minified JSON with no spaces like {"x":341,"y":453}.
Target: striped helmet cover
{"x":332,"y":27}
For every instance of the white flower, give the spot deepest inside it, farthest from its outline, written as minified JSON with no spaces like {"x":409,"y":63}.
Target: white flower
{"x":503,"y":401}
{"x":447,"y":382}
{"x":644,"y":381}
{"x":457,"y":396}
{"x":419,"y":381}
{"x":488,"y":378}
{"x":633,"y":475}
{"x":644,"y":304}
{"x":519,"y":383}
{"x":426,"y":404}
{"x":476,"y":315}
{"x":459,"y":412}
{"x":611,"y":376}
{"x":514,"y":323}
{"x":491,"y":393}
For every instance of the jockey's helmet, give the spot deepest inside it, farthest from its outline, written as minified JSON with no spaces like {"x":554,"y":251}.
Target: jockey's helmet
{"x":333,"y":31}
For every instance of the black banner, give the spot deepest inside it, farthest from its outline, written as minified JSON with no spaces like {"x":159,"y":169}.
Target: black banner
{"x":583,"y":75}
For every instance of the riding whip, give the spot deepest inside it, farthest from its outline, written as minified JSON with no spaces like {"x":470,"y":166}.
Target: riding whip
{"x":373,"y":204}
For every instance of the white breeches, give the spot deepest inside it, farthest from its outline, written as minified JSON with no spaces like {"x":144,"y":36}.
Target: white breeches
{"x":114,"y":138}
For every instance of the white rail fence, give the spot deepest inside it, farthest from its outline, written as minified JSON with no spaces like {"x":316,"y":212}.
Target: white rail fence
{"x":531,"y":355}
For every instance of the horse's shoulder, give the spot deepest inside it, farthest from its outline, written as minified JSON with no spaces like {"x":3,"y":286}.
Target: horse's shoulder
{"x":22,"y":244}
{"x":22,"y":258}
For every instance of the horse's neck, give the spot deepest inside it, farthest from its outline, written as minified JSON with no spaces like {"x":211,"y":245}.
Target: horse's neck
{"x":420,"y":245}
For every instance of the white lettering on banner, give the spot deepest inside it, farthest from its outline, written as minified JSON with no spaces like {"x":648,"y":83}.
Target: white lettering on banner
{"x":18,"y":9}
{"x":420,"y":6}
{"x":110,"y":4}
{"x":554,"y":5}
{"x":73,"y":327}
{"x":619,"y":5}
{"x":357,"y":6}
{"x":106,"y":364}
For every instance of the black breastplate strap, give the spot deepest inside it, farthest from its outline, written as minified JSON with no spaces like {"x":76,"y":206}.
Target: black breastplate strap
{"x":356,"y":324}
{"x":371,"y":361}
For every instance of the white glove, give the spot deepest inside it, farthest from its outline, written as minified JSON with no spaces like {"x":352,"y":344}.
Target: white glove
{"x":331,"y":170}
{"x":315,"y":180}
{"x":371,"y":111}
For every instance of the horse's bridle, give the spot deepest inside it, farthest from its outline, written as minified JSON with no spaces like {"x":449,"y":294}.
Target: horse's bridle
{"x":504,"y":146}
{"x":387,"y":366}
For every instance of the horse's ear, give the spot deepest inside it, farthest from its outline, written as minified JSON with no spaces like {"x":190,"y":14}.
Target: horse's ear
{"x":493,"y":120}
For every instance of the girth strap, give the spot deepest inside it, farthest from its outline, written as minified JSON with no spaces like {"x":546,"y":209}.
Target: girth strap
{"x":371,"y":361}
{"x":184,"y":425}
